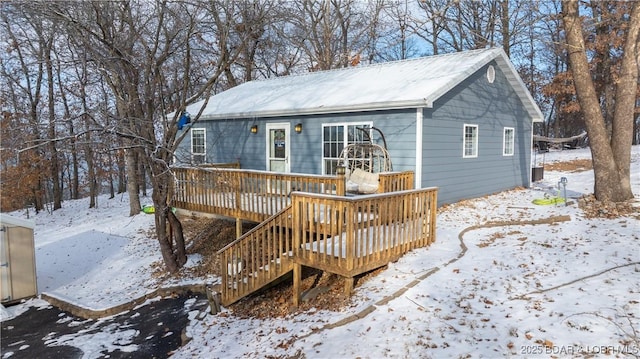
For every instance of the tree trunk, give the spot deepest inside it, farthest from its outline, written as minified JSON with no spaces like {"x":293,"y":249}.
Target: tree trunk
{"x":178,"y":238}
{"x":112,"y":187}
{"x":75,"y":181}
{"x":132,"y":183}
{"x":505,"y":28}
{"x":122,"y":171}
{"x":142,"y":176}
{"x":164,"y":239}
{"x":609,"y":184}
{"x":55,"y":165}
{"x":38,"y":197}
{"x":625,"y":101}
{"x":168,"y":227}
{"x":91,"y":173}
{"x":636,"y":132}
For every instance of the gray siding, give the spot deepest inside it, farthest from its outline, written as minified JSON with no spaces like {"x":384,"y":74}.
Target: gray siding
{"x":398,"y":127}
{"x":231,"y":140}
{"x":227,"y":141}
{"x":492,"y":107}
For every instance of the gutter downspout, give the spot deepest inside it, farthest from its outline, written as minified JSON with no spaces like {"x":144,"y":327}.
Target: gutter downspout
{"x":531,"y":164}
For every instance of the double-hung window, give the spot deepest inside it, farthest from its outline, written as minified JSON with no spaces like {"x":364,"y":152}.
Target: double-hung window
{"x":336,"y":136}
{"x":198,"y":145}
{"x":470,"y":143}
{"x":508,"y":142}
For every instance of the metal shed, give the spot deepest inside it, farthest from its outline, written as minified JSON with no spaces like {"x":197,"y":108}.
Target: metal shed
{"x":17,"y":259}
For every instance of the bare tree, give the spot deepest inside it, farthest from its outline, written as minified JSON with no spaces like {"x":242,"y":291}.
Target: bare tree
{"x":332,"y":33}
{"x":46,"y":37}
{"x":611,"y":153}
{"x":24,"y":80}
{"x":248,"y":22}
{"x":152,"y":56}
{"x":397,"y":33}
{"x":432,"y":23}
{"x":449,"y":25}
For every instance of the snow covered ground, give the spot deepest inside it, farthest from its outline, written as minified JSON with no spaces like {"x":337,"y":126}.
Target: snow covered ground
{"x":566,"y":289}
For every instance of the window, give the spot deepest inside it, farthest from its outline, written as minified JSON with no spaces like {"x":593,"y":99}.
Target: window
{"x":336,"y":136}
{"x":470,"y":141}
{"x":491,"y":74}
{"x":508,"y":142}
{"x":198,"y":145}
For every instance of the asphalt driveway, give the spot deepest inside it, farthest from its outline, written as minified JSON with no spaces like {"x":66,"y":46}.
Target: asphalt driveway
{"x":153,"y":330}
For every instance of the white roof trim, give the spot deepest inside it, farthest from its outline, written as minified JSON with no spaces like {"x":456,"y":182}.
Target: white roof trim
{"x":322,"y":110}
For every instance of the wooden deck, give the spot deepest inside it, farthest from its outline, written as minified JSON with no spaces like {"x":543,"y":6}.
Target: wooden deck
{"x":306,"y":220}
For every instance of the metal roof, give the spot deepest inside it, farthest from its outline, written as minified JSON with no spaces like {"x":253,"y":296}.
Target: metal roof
{"x":391,"y":85}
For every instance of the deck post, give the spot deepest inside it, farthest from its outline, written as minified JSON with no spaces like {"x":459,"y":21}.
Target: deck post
{"x":297,"y":267}
{"x":297,"y":276}
{"x":237,"y":185}
{"x":348,"y":286}
{"x":238,"y":227}
{"x":341,"y":186}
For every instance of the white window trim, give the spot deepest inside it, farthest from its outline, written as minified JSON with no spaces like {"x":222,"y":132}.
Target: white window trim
{"x":474,"y":144}
{"x":345,"y":133}
{"x":505,"y":151}
{"x":193,"y":153}
{"x":287,"y":140}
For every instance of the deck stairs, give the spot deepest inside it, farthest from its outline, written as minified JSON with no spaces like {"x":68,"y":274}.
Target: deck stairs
{"x":257,"y":258}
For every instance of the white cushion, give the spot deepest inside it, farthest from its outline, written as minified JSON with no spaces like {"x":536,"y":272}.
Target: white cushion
{"x":365,"y":182}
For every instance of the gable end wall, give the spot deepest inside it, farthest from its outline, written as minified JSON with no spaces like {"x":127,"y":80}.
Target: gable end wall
{"x":492,"y":107}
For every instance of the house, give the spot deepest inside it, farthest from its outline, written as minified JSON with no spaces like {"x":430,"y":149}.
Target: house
{"x":461,"y":121}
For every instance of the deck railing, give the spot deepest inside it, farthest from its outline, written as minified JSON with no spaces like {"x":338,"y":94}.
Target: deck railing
{"x":247,"y":194}
{"x":395,"y":181}
{"x":352,"y":235}
{"x":342,"y":235}
{"x":359,"y":234}
{"x":256,"y":195}
{"x":220,"y":165}
{"x":257,"y":258}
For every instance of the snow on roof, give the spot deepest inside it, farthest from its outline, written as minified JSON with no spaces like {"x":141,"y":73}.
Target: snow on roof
{"x":390,"y":85}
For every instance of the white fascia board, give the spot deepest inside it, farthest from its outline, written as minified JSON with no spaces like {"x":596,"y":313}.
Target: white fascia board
{"x":376,"y":106}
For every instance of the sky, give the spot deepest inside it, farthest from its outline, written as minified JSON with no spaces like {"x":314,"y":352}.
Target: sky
{"x":570,"y":288}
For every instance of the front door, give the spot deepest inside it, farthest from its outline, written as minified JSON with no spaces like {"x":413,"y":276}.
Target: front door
{"x":278,"y":147}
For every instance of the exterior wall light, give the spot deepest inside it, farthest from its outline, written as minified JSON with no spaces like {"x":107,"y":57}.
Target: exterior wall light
{"x":254,"y":129}
{"x":298,"y":128}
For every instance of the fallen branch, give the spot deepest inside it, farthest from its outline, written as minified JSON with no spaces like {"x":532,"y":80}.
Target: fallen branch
{"x":416,"y":303}
{"x":540,"y":291}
